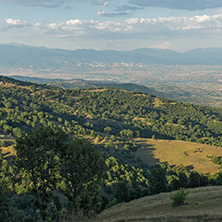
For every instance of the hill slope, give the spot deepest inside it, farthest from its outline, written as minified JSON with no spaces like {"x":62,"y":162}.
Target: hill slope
{"x":119,"y":123}
{"x":203,"y":204}
{"x":193,"y":156}
{"x":81,"y":84}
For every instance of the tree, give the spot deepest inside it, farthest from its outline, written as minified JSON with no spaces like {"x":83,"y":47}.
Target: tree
{"x":37,"y":157}
{"x":4,"y":209}
{"x":82,"y":169}
{"x":4,"y":185}
{"x":122,"y":191}
{"x":107,"y":130}
{"x":158,"y":179}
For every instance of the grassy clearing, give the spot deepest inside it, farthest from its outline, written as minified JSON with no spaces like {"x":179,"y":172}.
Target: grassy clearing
{"x":8,"y":151}
{"x":174,"y":152}
{"x":157,"y":102}
{"x":202,"y":204}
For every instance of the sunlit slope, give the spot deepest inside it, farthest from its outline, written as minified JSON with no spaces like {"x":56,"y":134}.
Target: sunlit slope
{"x":202,"y":204}
{"x":193,"y":156}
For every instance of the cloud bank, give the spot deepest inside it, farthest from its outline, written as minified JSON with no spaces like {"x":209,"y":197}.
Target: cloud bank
{"x":131,"y":4}
{"x":13,"y":24}
{"x":161,"y":26}
{"x":191,"y":5}
{"x":140,"y":28}
{"x":51,"y":3}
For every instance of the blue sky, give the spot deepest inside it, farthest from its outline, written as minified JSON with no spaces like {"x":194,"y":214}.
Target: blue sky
{"x":180,"y":25}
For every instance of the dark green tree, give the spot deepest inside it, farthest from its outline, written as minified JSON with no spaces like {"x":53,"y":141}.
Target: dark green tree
{"x":122,"y":191}
{"x":4,"y":208}
{"x":158,"y":180}
{"x":38,"y":157}
{"x":82,"y":169}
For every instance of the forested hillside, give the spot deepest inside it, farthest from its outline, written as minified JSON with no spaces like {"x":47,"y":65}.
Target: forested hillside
{"x":109,"y":119}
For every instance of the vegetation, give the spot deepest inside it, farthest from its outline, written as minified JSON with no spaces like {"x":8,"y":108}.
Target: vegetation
{"x":84,"y":154}
{"x":202,"y":204}
{"x":179,"y":197}
{"x":193,"y":156}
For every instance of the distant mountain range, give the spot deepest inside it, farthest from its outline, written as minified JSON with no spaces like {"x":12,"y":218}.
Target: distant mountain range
{"x":27,"y":57}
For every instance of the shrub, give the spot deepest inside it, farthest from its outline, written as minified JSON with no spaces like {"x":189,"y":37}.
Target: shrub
{"x":179,"y":197}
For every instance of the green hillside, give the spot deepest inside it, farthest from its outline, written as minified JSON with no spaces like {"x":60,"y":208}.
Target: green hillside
{"x":120,"y":125}
{"x":202,"y":204}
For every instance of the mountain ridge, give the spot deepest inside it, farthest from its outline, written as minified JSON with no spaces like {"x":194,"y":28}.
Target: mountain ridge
{"x":25,"y":53}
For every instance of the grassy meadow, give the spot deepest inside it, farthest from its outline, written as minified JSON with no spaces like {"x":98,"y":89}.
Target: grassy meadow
{"x":202,"y":204}
{"x":193,"y":156}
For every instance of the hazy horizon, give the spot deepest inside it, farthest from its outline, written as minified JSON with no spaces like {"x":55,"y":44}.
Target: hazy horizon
{"x":112,"y":25}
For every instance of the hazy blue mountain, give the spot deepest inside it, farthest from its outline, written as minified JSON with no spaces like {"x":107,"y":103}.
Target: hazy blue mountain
{"x":22,"y":56}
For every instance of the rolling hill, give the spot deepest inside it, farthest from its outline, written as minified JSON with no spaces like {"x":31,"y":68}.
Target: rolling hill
{"x":202,"y":204}
{"x":130,"y":129}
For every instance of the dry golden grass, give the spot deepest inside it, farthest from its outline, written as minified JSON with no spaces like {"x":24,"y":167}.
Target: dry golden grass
{"x":157,"y":102}
{"x":175,"y":152}
{"x":96,"y":90}
{"x":202,"y":204}
{"x":8,"y":151}
{"x":142,"y":120}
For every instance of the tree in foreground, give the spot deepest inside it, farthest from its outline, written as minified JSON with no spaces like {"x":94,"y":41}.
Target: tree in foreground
{"x":83,"y":170}
{"x":4,"y":208}
{"x":38,"y":159}
{"x":47,"y":158}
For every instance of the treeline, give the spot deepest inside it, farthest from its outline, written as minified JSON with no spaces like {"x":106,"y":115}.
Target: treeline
{"x":109,"y":118}
{"x":54,"y":177}
{"x":111,"y":111}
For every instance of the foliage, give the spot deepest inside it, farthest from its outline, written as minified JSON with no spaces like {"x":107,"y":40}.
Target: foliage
{"x":122,"y":191}
{"x":46,"y":158}
{"x":5,"y":214}
{"x":158,"y":180}
{"x":216,"y":159}
{"x":38,"y":160}
{"x":82,"y":169}
{"x":179,"y":197}
{"x":57,"y":157}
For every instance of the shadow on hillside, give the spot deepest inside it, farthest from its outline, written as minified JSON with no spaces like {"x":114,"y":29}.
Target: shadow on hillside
{"x":8,"y":156}
{"x":189,"y":168}
{"x":146,"y":153}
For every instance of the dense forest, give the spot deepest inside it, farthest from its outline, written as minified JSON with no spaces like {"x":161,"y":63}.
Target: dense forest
{"x":75,"y":148}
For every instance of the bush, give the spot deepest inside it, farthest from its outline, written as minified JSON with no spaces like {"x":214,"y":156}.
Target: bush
{"x":179,"y":197}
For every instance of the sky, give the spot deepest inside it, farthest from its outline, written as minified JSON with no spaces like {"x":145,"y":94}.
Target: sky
{"x":180,"y":25}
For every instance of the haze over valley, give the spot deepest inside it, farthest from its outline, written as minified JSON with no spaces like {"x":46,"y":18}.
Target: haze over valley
{"x":110,"y":111}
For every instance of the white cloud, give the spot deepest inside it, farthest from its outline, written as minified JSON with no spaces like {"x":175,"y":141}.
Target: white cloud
{"x":15,"y":22}
{"x":134,"y":27}
{"x":101,"y":13}
{"x":164,"y":45}
{"x":128,"y":28}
